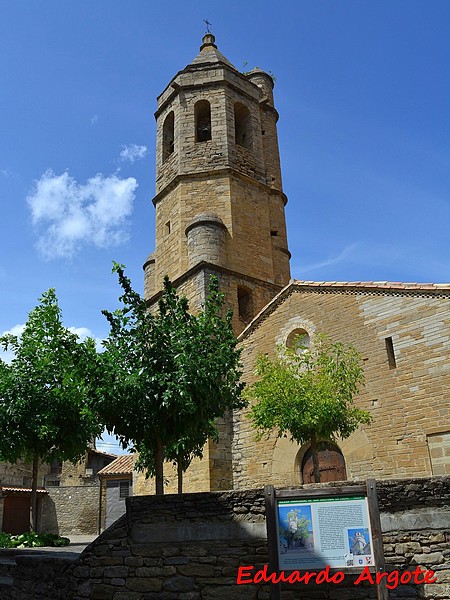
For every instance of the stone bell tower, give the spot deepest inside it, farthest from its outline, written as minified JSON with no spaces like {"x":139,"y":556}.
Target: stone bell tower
{"x":219,"y":200}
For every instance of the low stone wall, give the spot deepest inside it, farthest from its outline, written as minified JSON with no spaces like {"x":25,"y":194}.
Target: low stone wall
{"x":190,"y":548}
{"x":72,"y":510}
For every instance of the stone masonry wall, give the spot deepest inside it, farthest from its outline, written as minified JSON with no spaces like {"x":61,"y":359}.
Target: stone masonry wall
{"x":72,"y":510}
{"x":190,"y":548}
{"x":20,"y":474}
{"x":409,"y":403}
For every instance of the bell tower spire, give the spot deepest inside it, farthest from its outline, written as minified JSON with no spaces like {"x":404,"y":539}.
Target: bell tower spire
{"x":219,"y":198}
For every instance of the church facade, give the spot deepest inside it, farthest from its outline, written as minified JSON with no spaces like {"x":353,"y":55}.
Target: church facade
{"x":220,"y":210}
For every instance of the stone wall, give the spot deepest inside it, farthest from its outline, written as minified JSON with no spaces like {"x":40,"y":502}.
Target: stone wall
{"x":72,"y":510}
{"x":20,"y":474}
{"x":409,"y":402}
{"x":190,"y":548}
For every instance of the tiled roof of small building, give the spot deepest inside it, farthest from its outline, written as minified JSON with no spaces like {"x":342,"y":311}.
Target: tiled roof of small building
{"x":102,"y":452}
{"x":123,"y":465}
{"x":20,"y":490}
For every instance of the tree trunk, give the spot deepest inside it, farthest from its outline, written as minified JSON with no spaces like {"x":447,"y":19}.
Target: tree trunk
{"x":34,"y":515}
{"x":159,"y":469}
{"x":180,"y":475}
{"x":315,"y":457}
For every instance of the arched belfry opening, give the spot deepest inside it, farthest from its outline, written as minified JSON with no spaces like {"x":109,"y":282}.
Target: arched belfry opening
{"x":242,"y":126}
{"x":331,"y":464}
{"x":168,"y":141}
{"x":202,"y":111}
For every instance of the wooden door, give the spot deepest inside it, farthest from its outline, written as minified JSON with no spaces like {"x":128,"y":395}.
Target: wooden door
{"x":331,"y":464}
{"x":16,"y":514}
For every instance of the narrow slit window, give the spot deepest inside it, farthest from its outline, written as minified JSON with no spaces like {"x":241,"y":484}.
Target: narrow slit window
{"x":242,"y":126}
{"x":390,"y":353}
{"x":168,"y":136}
{"x":168,"y":228}
{"x":245,"y":304}
{"x":202,"y":121}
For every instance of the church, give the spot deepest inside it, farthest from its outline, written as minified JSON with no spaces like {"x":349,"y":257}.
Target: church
{"x":220,"y":211}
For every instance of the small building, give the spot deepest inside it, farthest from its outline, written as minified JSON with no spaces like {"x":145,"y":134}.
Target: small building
{"x":84,"y":472}
{"x":15,"y":505}
{"x":116,"y":480}
{"x":68,"y":495}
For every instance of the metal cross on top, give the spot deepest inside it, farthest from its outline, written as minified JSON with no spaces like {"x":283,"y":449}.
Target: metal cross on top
{"x":208,"y":25}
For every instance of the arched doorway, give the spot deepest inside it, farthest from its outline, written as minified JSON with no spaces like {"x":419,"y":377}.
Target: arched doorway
{"x":331,"y":464}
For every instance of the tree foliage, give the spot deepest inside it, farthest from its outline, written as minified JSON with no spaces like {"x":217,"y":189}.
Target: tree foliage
{"x":168,"y":375}
{"x":44,"y":392}
{"x":308,"y":394}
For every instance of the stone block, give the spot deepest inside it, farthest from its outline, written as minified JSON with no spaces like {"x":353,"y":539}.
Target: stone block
{"x":116,"y":571}
{"x":101,"y":591}
{"x":179,"y":584}
{"x":127,"y":596}
{"x":196,"y":570}
{"x":232,"y":592}
{"x":139,"y":584}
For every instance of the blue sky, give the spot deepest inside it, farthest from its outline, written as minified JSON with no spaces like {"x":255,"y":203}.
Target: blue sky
{"x":362,"y":88}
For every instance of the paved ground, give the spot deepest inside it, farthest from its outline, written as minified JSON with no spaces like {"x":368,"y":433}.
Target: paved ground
{"x":77,"y":544}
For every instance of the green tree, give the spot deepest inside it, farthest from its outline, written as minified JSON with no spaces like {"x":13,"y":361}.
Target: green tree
{"x":295,"y":529}
{"x":168,"y":375}
{"x":44,"y":392}
{"x":308,"y":394}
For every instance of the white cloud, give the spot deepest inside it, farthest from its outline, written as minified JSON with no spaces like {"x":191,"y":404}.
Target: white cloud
{"x":81,"y":332}
{"x":15,"y":330}
{"x":8,"y":355}
{"x":132,"y":153}
{"x":71,"y":215}
{"x":346,"y":254}
{"x":94,"y":119}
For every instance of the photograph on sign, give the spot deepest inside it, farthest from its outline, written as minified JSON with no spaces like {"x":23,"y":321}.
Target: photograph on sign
{"x":314,"y":533}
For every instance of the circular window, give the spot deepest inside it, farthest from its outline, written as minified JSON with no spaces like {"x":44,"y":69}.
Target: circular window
{"x":298,"y":340}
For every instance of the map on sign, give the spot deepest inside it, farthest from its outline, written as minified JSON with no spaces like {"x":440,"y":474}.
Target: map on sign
{"x":314,"y":533}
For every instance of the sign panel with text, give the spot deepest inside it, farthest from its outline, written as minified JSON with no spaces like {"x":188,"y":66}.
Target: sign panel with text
{"x":316,"y":532}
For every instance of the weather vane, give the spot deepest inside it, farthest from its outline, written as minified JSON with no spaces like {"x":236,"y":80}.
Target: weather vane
{"x":208,"y":25}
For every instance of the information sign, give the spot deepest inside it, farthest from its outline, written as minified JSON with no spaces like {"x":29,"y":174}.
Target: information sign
{"x":324,"y":532}
{"x":317,"y":532}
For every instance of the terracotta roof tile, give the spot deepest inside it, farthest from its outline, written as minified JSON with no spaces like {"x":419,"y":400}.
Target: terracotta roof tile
{"x":373,"y":284}
{"x":11,"y":488}
{"x":95,"y":451}
{"x":123,"y":465}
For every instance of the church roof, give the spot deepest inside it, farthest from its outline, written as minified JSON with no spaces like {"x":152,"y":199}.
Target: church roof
{"x":380,"y":285}
{"x":344,"y":286}
{"x":209,"y":54}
